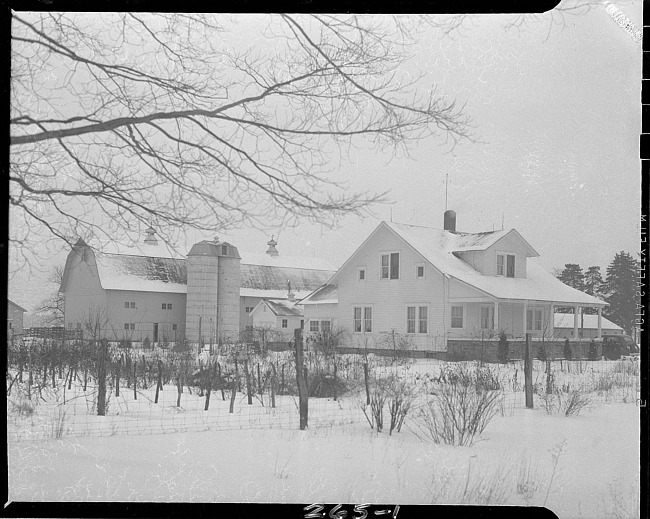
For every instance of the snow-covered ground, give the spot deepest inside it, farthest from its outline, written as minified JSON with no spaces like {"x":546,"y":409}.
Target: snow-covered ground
{"x":580,"y":466}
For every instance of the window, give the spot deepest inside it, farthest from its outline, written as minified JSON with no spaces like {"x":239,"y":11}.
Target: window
{"x":132,"y":326}
{"x":367,"y":319}
{"x":166,"y":306}
{"x":126,"y":326}
{"x":500,"y":265}
{"x":126,"y":304}
{"x":357,"y":319}
{"x":534,"y":319}
{"x":362,"y":274}
{"x":132,"y":304}
{"x":422,"y":320}
{"x":224,"y":250}
{"x":487,"y":318}
{"x":364,"y":324}
{"x":302,"y":324}
{"x":325,"y":326}
{"x":419,"y":271}
{"x":69,"y":326}
{"x":510,"y":266}
{"x":390,"y":266}
{"x":78,"y":326}
{"x":249,"y":309}
{"x":285,"y":323}
{"x":174,"y":327}
{"x":313,"y":326}
{"x":410,"y":319}
{"x":456,"y":316}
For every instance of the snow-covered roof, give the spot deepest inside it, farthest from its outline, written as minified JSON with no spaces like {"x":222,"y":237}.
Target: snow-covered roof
{"x":584,"y":321}
{"x":284,"y":308}
{"x":271,"y":294}
{"x":464,"y":241}
{"x":292,"y":262}
{"x":322,"y":295}
{"x":157,"y":268}
{"x":438,"y":247}
{"x":141,"y":273}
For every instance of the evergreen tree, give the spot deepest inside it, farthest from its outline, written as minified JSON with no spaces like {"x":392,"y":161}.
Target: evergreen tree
{"x":573,"y":276}
{"x":593,"y":286}
{"x":621,"y":291}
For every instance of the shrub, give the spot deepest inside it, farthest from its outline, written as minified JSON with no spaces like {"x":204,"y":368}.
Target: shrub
{"x":568,"y":402}
{"x":503,"y":352}
{"x":324,"y":385}
{"x":457,"y":414}
{"x":593,"y":351}
{"x":542,"y":354}
{"x":146,"y":344}
{"x":481,"y":379}
{"x":567,"y":350}
{"x":400,"y":396}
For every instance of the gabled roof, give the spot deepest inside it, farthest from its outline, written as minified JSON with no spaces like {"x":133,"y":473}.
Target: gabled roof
{"x":437,"y":247}
{"x":156,"y":268}
{"x":16,"y":305}
{"x":589,"y":320}
{"x":463,"y":241}
{"x":322,"y":295}
{"x":283,"y":308}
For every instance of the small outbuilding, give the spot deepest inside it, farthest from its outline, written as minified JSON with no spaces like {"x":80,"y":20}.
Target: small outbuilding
{"x":15,"y":315}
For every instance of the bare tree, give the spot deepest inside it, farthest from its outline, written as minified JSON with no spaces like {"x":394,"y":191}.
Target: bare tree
{"x":203,"y":121}
{"x":51,"y":310}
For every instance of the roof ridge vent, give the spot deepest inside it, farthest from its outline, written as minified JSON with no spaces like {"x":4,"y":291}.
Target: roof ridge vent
{"x":151,"y":236}
{"x":272,"y":251}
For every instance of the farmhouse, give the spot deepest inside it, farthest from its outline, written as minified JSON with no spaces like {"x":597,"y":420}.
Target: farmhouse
{"x":433,"y":287}
{"x":15,"y":315}
{"x":151,"y":291}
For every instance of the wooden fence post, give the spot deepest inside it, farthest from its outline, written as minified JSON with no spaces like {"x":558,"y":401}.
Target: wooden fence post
{"x":528,"y":372}
{"x":301,"y":380}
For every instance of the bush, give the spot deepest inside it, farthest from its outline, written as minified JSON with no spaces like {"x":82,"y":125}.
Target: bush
{"x":567,"y":350}
{"x":503,"y":352}
{"x":457,"y":414}
{"x":481,"y":379}
{"x":568,"y":402}
{"x":400,"y":396}
{"x":542,"y":354}
{"x":593,"y":350}
{"x":324,"y":385}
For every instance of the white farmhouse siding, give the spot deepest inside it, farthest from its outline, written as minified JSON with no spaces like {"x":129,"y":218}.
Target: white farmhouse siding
{"x":389,"y":298}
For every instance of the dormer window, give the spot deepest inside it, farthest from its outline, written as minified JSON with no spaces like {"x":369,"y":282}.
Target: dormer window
{"x":390,"y":266}
{"x":506,"y":265}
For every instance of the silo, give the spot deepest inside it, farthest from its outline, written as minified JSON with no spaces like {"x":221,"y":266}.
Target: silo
{"x":202,"y":290}
{"x":228,"y":294}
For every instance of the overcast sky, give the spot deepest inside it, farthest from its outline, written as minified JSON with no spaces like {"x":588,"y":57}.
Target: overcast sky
{"x":558,"y":118}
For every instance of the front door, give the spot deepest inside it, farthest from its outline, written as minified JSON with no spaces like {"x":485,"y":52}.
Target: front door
{"x":155,"y":332}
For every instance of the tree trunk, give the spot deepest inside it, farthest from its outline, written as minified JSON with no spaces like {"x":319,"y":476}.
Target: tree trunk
{"x":101,"y":380}
{"x":365,"y":378}
{"x":248,"y":383}
{"x":135,"y":379}
{"x":301,"y":379}
{"x":117,"y":377}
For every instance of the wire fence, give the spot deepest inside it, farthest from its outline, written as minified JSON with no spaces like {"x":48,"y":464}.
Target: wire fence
{"x":59,"y":388}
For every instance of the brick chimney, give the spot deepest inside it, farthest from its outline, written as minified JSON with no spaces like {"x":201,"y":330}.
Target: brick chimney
{"x":450,"y":221}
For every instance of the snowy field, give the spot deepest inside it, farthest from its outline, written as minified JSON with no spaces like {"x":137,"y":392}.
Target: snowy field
{"x":586,"y":465}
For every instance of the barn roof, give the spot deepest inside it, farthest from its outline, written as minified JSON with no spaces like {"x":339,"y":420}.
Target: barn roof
{"x":157,"y":268}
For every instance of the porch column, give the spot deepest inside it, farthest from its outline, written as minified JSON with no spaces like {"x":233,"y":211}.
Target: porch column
{"x":551,"y":320}
{"x":496,"y":316}
{"x":576,"y":321}
{"x":600,"y":322}
{"x":525,"y":317}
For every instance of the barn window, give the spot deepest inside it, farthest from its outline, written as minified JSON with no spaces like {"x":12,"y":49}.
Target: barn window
{"x":224,"y":250}
{"x":126,"y":304}
{"x":132,"y":304}
{"x":126,"y":326}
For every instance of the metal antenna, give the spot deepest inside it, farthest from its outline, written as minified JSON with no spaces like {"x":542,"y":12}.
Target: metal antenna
{"x":446,"y":189}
